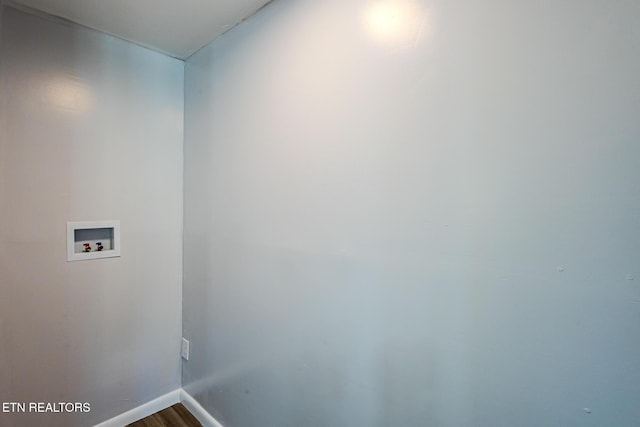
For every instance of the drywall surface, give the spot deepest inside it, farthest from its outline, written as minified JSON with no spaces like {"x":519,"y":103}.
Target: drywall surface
{"x":176,"y":28}
{"x":91,"y":130}
{"x":429,"y":220}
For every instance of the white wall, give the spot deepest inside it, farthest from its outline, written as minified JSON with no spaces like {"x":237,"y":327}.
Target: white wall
{"x":91,"y":130}
{"x":442,"y":229}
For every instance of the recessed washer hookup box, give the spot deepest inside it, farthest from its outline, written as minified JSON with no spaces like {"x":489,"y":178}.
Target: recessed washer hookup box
{"x":92,"y":239}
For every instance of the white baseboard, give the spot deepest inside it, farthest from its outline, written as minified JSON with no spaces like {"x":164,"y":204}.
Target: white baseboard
{"x":160,"y":403}
{"x":197,"y":410}
{"x":143,"y":410}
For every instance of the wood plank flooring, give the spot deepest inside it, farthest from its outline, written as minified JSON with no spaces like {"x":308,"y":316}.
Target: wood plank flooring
{"x":173,"y":416}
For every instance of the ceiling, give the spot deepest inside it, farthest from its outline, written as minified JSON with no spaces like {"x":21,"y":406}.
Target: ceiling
{"x":176,"y":28}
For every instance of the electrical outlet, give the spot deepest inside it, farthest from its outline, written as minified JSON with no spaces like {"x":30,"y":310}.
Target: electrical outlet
{"x":185,"y":349}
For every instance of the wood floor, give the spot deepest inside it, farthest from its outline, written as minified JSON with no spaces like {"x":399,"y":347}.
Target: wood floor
{"x":173,"y":416}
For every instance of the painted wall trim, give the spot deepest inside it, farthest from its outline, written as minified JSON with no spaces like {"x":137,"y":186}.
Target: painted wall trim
{"x":160,"y":403}
{"x":143,"y":410}
{"x":197,"y":410}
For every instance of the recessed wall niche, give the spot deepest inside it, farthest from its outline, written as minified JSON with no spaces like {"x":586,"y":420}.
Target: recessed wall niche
{"x":92,"y":239}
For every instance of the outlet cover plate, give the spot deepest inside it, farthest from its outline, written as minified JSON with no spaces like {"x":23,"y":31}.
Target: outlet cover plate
{"x":185,"y":349}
